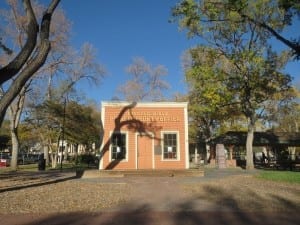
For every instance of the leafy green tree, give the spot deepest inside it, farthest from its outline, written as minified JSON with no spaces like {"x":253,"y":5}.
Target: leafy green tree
{"x":29,"y":138}
{"x":82,"y":126}
{"x":284,"y":12}
{"x":4,"y":128}
{"x":5,"y":140}
{"x":42,"y":122}
{"x":271,"y":16}
{"x":250,"y":74}
{"x":286,"y":118}
{"x":208,"y":96}
{"x":71,"y":122}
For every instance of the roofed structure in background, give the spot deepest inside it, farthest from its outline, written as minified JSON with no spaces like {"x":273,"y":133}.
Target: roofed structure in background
{"x":238,"y":138}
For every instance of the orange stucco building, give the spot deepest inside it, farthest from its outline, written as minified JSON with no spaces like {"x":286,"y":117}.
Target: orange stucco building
{"x":152,"y":135}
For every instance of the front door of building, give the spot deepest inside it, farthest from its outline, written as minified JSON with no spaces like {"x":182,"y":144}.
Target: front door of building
{"x":144,"y":152}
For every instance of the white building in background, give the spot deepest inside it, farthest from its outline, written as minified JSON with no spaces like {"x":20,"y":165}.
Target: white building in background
{"x":69,"y":150}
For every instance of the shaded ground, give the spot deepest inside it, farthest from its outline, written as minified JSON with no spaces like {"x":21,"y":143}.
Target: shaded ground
{"x":221,"y":197}
{"x":155,"y":218}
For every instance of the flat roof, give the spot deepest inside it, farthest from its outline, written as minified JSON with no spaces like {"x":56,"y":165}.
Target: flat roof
{"x":144,"y":104}
{"x":239,"y":138}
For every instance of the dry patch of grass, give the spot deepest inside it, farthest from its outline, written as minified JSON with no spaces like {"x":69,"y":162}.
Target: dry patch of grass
{"x":68,"y":196}
{"x":248,"y":193}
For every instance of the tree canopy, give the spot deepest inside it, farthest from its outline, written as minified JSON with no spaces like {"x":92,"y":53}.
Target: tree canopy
{"x":80,"y":123}
{"x":237,"y":67}
{"x":271,"y":16}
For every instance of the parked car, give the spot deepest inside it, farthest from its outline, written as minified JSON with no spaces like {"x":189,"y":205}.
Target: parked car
{"x":4,"y":159}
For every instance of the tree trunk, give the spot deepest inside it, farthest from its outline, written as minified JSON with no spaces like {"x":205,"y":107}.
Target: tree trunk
{"x":46,"y":153}
{"x":249,"y":143}
{"x":196,"y":158}
{"x":54,"y":159}
{"x":231,"y":152}
{"x":65,"y":152}
{"x":76,"y":153}
{"x":292,"y":152}
{"x":15,"y":149}
{"x":37,"y":61}
{"x":15,"y":111}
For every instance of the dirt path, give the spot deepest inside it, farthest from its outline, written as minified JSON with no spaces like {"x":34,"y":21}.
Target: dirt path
{"x":155,"y":193}
{"x":161,"y":194}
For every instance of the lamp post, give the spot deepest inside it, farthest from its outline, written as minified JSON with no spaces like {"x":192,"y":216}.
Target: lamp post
{"x":196,"y":160}
{"x":63,"y":134}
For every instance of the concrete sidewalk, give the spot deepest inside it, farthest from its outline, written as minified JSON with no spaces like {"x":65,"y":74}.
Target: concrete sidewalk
{"x":142,"y":173}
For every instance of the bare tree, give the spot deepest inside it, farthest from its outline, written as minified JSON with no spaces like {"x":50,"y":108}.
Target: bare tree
{"x":63,"y":63}
{"x":31,"y":57}
{"x":77,"y":66}
{"x":146,"y":82}
{"x":15,"y":31}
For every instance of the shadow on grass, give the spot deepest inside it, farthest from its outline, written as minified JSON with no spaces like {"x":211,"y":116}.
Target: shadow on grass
{"x":286,"y":203}
{"x":142,"y":217}
{"x":227,"y":210}
{"x":228,"y":200}
{"x":250,"y":200}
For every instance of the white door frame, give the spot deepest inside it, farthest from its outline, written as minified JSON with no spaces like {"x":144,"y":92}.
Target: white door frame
{"x":137,"y":135}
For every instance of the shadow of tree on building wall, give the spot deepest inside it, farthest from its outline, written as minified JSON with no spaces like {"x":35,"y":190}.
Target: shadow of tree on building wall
{"x":133,"y":124}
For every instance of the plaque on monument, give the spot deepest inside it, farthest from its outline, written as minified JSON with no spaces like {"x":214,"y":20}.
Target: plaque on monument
{"x":220,"y":156}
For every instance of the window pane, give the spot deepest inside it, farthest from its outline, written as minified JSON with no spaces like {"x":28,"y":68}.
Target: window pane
{"x":118,"y":146}
{"x":170,"y":146}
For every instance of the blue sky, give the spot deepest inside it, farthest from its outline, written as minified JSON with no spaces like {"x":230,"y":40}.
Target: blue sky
{"x":122,"y":30}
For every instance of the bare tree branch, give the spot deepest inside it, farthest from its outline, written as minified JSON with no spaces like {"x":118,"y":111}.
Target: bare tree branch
{"x":295,"y":47}
{"x":35,"y":63}
{"x":10,"y":70}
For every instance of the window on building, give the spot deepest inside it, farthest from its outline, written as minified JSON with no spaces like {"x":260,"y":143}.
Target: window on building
{"x":118,"y":146}
{"x":170,"y":146}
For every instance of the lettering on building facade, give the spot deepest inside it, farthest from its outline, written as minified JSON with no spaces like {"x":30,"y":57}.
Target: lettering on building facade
{"x":148,"y":117}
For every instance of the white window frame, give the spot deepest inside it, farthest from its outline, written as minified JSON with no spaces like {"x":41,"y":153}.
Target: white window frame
{"x":177,"y":145}
{"x":110,"y":146}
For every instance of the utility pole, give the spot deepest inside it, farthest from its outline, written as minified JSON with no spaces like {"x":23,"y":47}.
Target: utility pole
{"x":63,"y":134}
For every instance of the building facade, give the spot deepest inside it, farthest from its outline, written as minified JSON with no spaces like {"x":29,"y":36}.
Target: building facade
{"x":144,"y":136}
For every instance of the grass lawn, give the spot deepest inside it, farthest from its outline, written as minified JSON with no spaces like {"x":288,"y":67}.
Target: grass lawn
{"x":282,"y":176}
{"x":34,"y":167}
